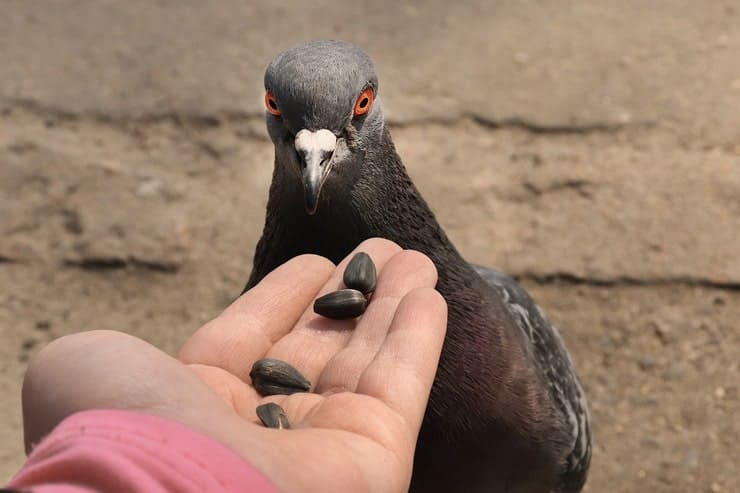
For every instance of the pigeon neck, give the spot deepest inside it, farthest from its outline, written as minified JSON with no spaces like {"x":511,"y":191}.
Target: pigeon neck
{"x":392,"y":207}
{"x":373,"y":198}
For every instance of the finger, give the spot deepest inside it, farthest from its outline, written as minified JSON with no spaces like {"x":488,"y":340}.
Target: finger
{"x":406,"y":271}
{"x":247,"y":329}
{"x":402,"y":372}
{"x":316,"y":339}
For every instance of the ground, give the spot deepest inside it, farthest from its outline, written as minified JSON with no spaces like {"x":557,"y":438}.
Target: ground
{"x":592,"y":152}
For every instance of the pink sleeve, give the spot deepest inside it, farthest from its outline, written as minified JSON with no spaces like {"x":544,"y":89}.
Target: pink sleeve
{"x":106,"y":450}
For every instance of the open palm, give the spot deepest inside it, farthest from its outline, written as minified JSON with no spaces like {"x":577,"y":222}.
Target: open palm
{"x":355,"y":431}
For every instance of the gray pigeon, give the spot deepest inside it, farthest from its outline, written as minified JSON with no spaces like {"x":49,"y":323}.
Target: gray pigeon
{"x":506,"y":412}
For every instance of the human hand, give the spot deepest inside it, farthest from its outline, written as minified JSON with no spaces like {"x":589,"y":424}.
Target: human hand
{"x":370,"y":377}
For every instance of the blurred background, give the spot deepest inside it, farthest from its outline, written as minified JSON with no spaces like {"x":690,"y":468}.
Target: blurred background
{"x":590,"y":149}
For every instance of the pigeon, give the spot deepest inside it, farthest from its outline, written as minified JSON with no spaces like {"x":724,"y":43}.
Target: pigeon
{"x":506,"y":412}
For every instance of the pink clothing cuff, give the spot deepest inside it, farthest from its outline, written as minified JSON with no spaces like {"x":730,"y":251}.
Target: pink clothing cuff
{"x":111,"y":451}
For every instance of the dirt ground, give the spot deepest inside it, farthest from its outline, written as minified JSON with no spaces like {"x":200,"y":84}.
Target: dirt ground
{"x":620,"y":214}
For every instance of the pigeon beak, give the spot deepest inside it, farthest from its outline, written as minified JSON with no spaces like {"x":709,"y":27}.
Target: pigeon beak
{"x":315,"y":150}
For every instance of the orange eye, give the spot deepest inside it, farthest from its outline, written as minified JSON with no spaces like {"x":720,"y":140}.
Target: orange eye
{"x":271,"y":104}
{"x":364,"y":102}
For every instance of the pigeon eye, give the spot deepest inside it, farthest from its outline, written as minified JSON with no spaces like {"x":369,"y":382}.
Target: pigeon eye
{"x":364,"y":102}
{"x":271,"y":104}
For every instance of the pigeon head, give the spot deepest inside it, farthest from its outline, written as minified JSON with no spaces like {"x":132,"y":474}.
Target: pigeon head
{"x":322,"y":112}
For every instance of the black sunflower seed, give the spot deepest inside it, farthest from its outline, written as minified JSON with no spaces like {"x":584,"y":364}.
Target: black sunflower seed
{"x":272,"y":376}
{"x":361,"y":273}
{"x":342,"y":304}
{"x":273,"y":416}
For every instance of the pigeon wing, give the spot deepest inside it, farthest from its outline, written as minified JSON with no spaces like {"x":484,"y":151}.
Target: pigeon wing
{"x":556,"y":369}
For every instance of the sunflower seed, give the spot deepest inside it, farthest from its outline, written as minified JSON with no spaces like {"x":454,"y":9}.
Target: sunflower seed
{"x":342,"y":304}
{"x":361,"y":274}
{"x":273,"y":416}
{"x":272,"y":376}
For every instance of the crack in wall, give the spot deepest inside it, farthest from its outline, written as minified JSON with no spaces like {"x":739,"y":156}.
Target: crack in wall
{"x":544,"y":279}
{"x":234,"y":116}
{"x":566,"y":278}
{"x":101,"y":264}
{"x":560,"y":129}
